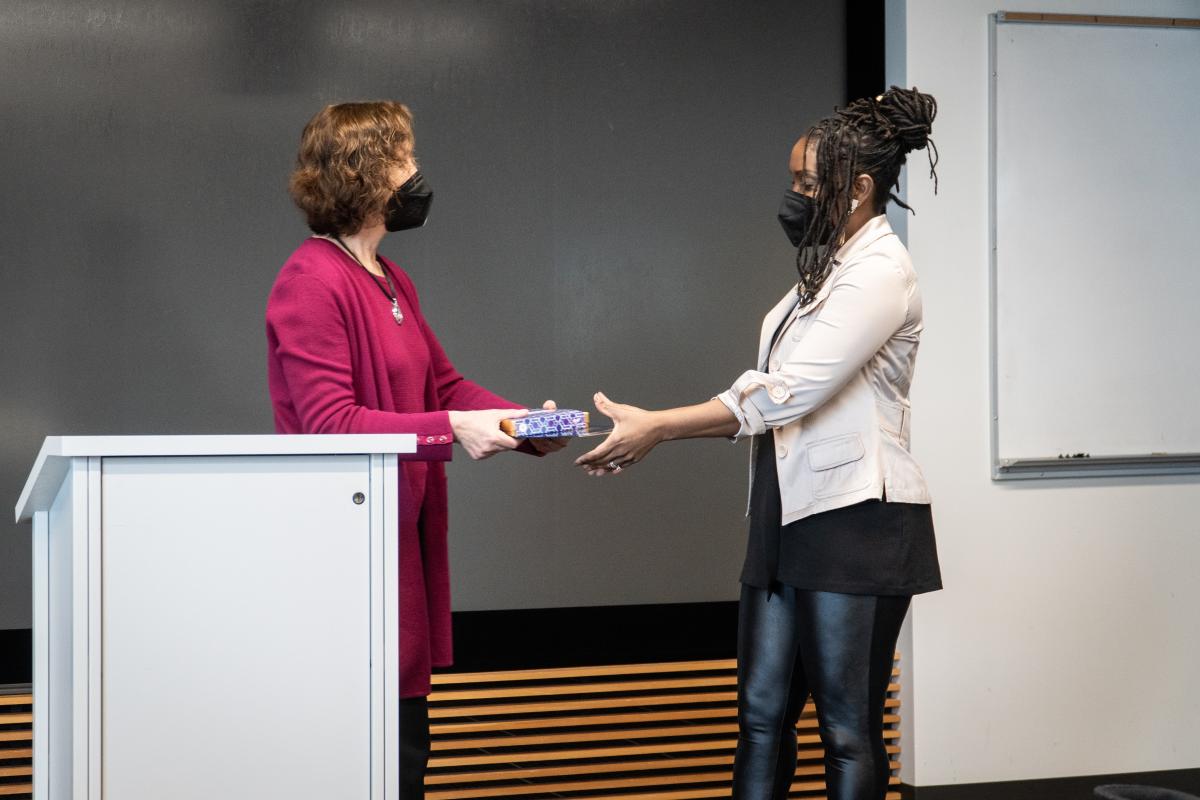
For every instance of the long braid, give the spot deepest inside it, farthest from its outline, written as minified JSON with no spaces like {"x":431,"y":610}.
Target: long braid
{"x":874,"y":136}
{"x":836,"y":154}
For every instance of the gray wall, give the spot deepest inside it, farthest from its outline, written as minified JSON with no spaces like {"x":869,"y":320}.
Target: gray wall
{"x":607,"y":176}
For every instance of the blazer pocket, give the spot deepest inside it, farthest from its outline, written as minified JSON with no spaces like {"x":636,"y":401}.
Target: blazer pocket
{"x":837,"y":465}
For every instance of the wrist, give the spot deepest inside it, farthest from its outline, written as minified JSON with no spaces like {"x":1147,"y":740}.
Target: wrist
{"x":661,"y":427}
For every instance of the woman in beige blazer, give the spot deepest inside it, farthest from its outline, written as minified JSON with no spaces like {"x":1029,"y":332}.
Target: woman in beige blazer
{"x":841,"y":534}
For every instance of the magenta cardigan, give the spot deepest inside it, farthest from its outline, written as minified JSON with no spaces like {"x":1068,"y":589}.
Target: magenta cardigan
{"x":339,"y":363}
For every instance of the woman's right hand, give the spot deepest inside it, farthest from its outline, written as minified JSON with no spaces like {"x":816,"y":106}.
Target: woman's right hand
{"x":634,"y":434}
{"x":479,"y":431}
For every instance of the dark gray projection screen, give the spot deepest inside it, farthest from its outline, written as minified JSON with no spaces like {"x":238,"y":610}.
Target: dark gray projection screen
{"x":607,"y":176}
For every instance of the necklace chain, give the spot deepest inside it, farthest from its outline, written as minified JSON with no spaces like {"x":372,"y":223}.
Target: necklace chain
{"x":390,"y":293}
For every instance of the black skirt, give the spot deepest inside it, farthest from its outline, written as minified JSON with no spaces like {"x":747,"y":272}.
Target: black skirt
{"x":874,"y":547}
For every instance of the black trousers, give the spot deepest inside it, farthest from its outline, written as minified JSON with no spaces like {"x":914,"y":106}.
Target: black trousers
{"x":839,"y":647}
{"x":414,"y":747}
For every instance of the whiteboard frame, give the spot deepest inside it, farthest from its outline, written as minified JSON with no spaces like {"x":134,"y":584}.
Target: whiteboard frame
{"x":1084,"y":465}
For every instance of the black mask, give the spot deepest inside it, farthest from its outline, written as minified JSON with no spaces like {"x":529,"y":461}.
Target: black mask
{"x":795,"y":215}
{"x":409,"y":205}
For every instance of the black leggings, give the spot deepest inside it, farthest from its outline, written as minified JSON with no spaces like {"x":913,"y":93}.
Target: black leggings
{"x":839,"y":647}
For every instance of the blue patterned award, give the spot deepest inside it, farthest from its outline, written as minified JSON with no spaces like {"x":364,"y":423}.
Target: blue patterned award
{"x":547,"y":424}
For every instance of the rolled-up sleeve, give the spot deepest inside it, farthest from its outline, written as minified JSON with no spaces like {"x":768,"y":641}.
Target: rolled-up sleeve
{"x":866,"y":305}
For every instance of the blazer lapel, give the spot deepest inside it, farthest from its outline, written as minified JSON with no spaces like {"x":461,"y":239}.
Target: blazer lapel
{"x":874,"y":229}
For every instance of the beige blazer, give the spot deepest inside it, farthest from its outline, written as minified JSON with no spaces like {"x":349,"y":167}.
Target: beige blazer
{"x":834,"y":388}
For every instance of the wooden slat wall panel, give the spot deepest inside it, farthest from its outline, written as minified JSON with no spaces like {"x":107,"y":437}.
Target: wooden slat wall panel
{"x":642,"y":732}
{"x":16,"y":745}
{"x":636,"y":732}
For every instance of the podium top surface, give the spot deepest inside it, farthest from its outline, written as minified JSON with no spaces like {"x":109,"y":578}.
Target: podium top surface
{"x":55,"y":456}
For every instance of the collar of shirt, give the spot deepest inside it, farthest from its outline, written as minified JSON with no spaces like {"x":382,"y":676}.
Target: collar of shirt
{"x":872,"y":230}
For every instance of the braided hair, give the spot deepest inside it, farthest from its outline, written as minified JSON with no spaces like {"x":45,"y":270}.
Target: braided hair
{"x":874,"y":136}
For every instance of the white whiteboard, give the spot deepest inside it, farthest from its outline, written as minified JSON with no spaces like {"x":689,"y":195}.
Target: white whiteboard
{"x":1096,"y":234}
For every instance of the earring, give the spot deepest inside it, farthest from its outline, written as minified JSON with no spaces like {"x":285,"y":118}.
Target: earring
{"x":853,"y":204}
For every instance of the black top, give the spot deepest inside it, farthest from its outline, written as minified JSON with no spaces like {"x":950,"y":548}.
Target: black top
{"x":873,"y":547}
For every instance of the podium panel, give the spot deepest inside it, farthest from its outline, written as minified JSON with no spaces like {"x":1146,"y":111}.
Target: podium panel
{"x":215,"y":617}
{"x":207,"y":649}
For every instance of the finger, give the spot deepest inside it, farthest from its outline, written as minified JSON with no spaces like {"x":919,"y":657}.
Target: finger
{"x":611,"y":463}
{"x":511,"y":413}
{"x":498,"y":440}
{"x":597,"y":456}
{"x":550,"y":405}
{"x":595,"y":462}
{"x":605,"y":406}
{"x":602,"y":452}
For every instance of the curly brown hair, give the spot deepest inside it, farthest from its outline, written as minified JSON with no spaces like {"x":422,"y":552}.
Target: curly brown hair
{"x":342,"y":168}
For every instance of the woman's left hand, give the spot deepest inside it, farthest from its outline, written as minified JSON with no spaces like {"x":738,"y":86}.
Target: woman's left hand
{"x":634,"y":435}
{"x":544,"y":446}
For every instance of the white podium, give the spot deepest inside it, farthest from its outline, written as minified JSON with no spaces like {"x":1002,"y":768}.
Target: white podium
{"x":215,"y":617}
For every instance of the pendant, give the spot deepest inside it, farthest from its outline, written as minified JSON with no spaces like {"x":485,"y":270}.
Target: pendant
{"x":397,"y":313}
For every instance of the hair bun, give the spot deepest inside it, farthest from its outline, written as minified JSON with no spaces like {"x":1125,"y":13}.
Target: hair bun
{"x":908,"y":116}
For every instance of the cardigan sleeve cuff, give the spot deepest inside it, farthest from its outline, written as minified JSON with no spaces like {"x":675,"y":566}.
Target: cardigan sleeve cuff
{"x":435,"y":438}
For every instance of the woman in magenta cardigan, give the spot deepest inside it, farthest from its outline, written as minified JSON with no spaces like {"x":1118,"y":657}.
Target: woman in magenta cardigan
{"x":350,"y":352}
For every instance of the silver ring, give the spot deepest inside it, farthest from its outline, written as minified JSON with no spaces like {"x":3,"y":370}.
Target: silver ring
{"x":613,"y":466}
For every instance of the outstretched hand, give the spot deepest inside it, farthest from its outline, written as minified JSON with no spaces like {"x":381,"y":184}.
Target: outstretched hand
{"x":634,"y":435}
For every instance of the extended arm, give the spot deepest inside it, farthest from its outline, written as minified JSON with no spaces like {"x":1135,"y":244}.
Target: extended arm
{"x":308,"y":333}
{"x":637,"y":431}
{"x":865,"y":307}
{"x":467,"y":400}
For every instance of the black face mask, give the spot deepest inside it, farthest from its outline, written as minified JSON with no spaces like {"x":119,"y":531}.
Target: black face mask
{"x":795,"y":215}
{"x":409,"y":205}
